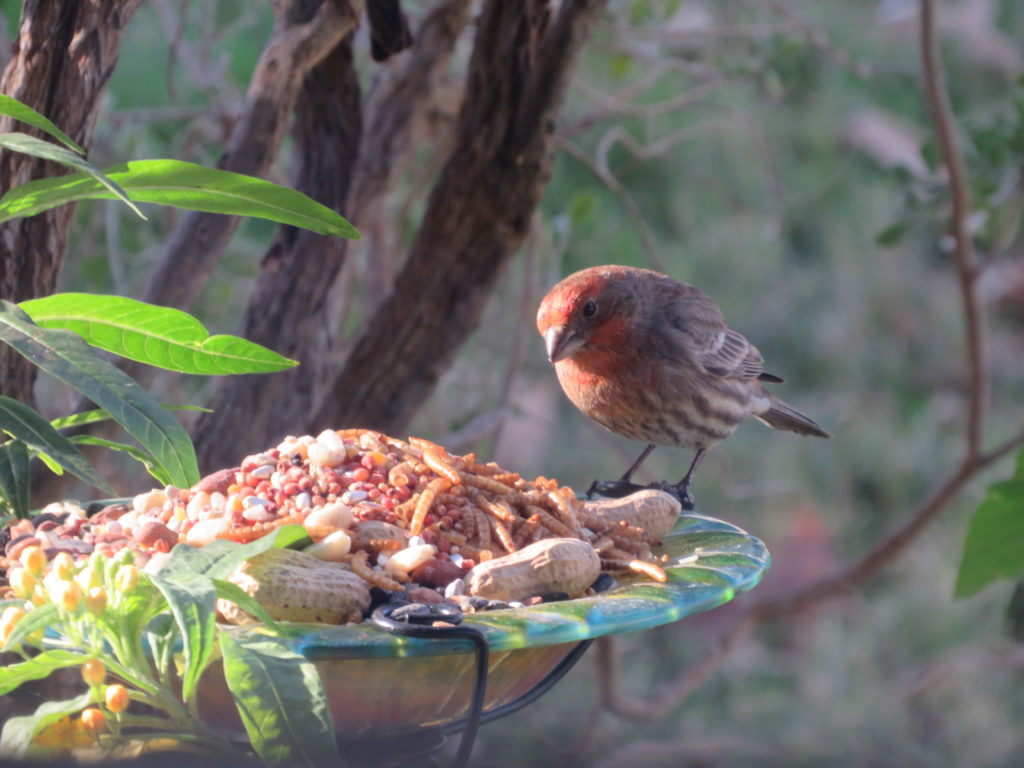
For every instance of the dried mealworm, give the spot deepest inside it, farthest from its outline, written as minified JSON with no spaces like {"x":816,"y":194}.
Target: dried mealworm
{"x":503,"y":536}
{"x":552,"y":523}
{"x":655,"y":572}
{"x":566,"y":513}
{"x":436,"y":486}
{"x":486,"y":484}
{"x":526,"y":530}
{"x":438,"y":462}
{"x":359,"y":565}
{"x":483,"y":526}
{"x":498,"y":509}
{"x":604,"y":544}
{"x":490,"y":468}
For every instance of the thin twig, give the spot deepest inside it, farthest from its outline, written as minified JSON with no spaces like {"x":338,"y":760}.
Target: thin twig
{"x":966,"y":266}
{"x":625,"y":199}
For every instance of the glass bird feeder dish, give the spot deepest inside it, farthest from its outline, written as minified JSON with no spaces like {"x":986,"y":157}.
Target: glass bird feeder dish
{"x":393,"y":689}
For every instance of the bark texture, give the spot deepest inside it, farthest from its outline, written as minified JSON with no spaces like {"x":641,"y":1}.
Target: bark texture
{"x":477,"y":215}
{"x":287,"y":307}
{"x":63,"y":57}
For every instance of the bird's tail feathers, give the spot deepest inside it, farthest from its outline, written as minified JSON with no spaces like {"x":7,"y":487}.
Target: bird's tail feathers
{"x":782,"y":415}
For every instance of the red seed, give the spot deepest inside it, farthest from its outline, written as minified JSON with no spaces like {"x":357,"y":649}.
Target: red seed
{"x":376,"y":478}
{"x":280,"y":498}
{"x":263,"y":487}
{"x":291,"y":489}
{"x":318,"y":500}
{"x":161,"y":545}
{"x":387,"y":502}
{"x":373,"y":493}
{"x":430,"y":519}
{"x":468,"y":563}
{"x":367,"y":462}
{"x":305,"y":483}
{"x":334,"y":488}
{"x":360,"y":475}
{"x":246,"y":492}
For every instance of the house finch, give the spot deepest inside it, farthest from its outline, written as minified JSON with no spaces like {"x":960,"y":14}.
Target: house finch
{"x":652,"y":359}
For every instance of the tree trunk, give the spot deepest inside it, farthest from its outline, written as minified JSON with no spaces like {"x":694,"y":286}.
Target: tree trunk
{"x":477,"y":216}
{"x":286,"y":309}
{"x":64,"y":56}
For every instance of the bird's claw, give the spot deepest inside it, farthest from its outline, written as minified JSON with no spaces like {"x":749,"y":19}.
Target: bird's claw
{"x":680,"y":492}
{"x":614,"y":489}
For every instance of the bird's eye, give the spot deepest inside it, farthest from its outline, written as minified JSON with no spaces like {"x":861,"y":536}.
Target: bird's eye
{"x":590,"y":308}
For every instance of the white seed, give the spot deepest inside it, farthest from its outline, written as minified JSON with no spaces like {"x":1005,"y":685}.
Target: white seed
{"x":205,"y":531}
{"x":332,"y":548}
{"x":327,"y":519}
{"x":330,"y":439}
{"x":200,"y":500}
{"x":405,"y":560}
{"x":323,"y":456}
{"x":456,"y":558}
{"x":277,"y":480}
{"x":415,"y":541}
{"x":264,"y":471}
{"x":456,"y":587}
{"x":150,"y":500}
{"x":354,"y":497}
{"x":258,"y":514}
{"x":303,"y":500}
{"x":114,"y":528}
{"x":515,"y":604}
{"x":253,"y":501}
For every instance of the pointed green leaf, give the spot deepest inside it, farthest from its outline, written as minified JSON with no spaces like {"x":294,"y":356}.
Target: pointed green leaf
{"x":37,"y":668}
{"x":160,"y":336}
{"x":184,"y":185}
{"x":26,"y":425}
{"x":66,"y":357}
{"x":233,"y":593}
{"x":145,"y":458}
{"x":19,"y":731}
{"x":14,"y":477}
{"x":98,"y":415}
{"x":193,"y":602}
{"x":219,"y":558}
{"x":45,"y":150}
{"x":993,"y":548}
{"x":13,"y":108}
{"x":281,"y":699}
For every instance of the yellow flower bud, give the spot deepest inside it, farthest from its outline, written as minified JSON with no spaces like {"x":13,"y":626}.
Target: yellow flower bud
{"x":127,"y":578}
{"x":80,"y":735}
{"x":22,"y":582}
{"x":38,"y":595}
{"x":9,"y":620}
{"x":88,"y":578}
{"x":34,"y":559}
{"x":94,"y":672}
{"x":66,"y":595}
{"x":93,"y":719}
{"x":63,"y":565}
{"x":96,"y":601}
{"x":116,"y":698}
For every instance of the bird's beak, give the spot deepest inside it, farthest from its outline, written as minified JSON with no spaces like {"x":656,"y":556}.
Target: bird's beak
{"x":561,"y":342}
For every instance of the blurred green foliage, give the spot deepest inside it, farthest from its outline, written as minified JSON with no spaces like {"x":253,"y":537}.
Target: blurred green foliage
{"x":797,"y":187}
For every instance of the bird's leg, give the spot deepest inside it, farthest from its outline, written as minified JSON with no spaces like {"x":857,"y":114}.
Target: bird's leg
{"x":623,"y":486}
{"x":681,"y":490}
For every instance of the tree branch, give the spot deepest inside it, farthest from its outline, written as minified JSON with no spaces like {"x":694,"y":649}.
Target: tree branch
{"x":897,"y":542}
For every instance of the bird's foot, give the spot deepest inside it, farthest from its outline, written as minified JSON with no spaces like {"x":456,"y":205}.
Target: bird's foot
{"x":680,"y":492}
{"x":614,"y":489}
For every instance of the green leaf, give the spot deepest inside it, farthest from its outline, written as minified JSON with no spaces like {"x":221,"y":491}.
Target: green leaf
{"x":39,"y":617}
{"x":14,"y":477}
{"x":13,"y":108}
{"x":64,"y":355}
{"x":98,"y":415}
{"x":219,"y":558}
{"x":145,"y":458}
{"x":281,"y":699}
{"x":231,"y":592}
{"x":37,"y":668}
{"x":25,"y":424}
{"x":45,"y":150}
{"x":19,"y":731}
{"x":184,"y":185}
{"x":892,"y":234}
{"x":993,"y":548}
{"x":193,"y":602}
{"x":160,"y":336}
